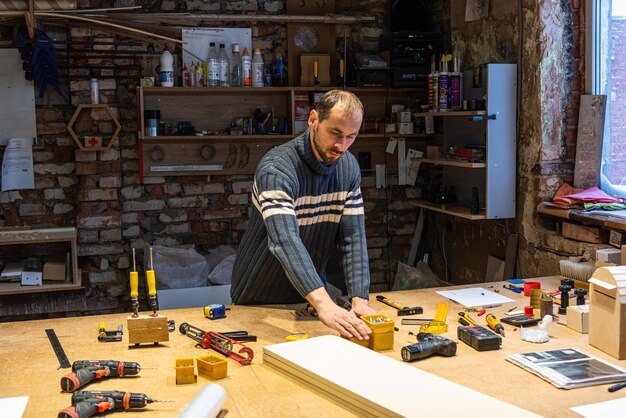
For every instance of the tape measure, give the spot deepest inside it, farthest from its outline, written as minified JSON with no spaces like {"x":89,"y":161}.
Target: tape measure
{"x":58,"y":349}
{"x":296,"y":337}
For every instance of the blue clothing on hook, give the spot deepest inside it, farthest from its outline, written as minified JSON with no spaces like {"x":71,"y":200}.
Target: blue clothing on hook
{"x":44,"y":63}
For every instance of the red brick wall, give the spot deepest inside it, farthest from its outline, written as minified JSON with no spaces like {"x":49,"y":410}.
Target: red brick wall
{"x":617,"y":97}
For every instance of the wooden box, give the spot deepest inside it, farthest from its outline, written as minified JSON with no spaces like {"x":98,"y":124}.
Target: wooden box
{"x":147,"y":329}
{"x":607,"y":310}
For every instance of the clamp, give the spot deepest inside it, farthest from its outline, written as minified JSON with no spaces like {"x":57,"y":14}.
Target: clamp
{"x":108,"y":336}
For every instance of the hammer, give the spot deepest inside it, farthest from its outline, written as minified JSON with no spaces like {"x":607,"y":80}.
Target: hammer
{"x":402,"y":310}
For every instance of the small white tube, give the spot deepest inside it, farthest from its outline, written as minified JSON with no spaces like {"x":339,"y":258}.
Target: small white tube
{"x":207,"y":404}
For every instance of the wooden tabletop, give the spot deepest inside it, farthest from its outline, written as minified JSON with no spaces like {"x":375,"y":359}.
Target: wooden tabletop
{"x":29,"y":365}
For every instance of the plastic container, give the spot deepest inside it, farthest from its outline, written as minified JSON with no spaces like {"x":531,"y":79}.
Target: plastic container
{"x":224,"y":67}
{"x":258,"y":69}
{"x":151,"y":122}
{"x":185,"y":371}
{"x":246,"y":68}
{"x":235,"y":68}
{"x":167,"y":68}
{"x":94,"y":91}
{"x":381,"y":337}
{"x":213,"y":67}
{"x":212,"y":366}
{"x":278,"y":66}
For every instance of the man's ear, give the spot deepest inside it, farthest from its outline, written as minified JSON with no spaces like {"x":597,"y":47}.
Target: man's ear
{"x":312,"y":117}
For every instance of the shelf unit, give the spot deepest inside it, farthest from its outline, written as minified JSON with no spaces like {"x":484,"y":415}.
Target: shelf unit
{"x":493,"y":128}
{"x":213,"y":109}
{"x":28,"y":236}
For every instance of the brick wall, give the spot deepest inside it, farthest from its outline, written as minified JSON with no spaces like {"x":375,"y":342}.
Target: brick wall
{"x":100,"y":193}
{"x":617,"y":97}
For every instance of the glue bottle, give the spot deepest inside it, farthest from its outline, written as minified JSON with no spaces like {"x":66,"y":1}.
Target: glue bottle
{"x":167,"y":68}
{"x":246,"y":68}
{"x":258,"y":69}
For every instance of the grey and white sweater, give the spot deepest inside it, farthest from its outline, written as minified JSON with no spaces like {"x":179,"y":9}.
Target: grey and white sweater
{"x":303,"y":210}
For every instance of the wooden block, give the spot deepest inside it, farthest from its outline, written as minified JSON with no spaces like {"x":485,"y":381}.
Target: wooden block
{"x":147,"y":329}
{"x":585,"y":233}
{"x":623,"y":258}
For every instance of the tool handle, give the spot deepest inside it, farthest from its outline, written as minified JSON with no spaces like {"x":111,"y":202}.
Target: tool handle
{"x":617,"y":386}
{"x":389,"y":302}
{"x":75,"y":380}
{"x":80,"y":410}
{"x":134,"y":284}
{"x":151,"y":282}
{"x":465,"y":317}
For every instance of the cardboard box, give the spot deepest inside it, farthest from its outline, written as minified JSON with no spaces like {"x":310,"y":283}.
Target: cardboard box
{"x":617,"y":238}
{"x":405,"y":128}
{"x":433,"y":151}
{"x":578,"y":318}
{"x":404,"y":117}
{"x":54,"y":270}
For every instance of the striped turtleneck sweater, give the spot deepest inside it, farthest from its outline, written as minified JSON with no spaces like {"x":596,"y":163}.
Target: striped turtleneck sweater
{"x":303,"y":211}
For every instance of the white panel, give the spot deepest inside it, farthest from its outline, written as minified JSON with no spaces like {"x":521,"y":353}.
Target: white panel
{"x":17,"y":106}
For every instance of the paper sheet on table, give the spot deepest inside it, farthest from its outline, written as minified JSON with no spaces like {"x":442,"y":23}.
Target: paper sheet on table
{"x":474,"y":296}
{"x":610,"y":409}
{"x":13,"y":407}
{"x":17,"y":165}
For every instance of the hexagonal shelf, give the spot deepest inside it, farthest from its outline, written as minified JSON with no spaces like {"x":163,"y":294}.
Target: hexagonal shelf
{"x":103,"y":146}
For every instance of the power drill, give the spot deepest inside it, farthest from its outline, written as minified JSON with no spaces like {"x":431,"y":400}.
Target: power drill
{"x":87,"y":403}
{"x":84,"y":371}
{"x":428,"y":344}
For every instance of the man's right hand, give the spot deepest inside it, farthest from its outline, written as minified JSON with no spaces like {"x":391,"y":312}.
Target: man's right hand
{"x":343,"y":321}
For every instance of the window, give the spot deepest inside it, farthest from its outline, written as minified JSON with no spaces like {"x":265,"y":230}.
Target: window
{"x":606,"y":66}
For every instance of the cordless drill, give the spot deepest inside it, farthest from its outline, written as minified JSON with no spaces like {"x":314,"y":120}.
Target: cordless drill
{"x":428,"y":344}
{"x":87,"y":403}
{"x":85,"y":371}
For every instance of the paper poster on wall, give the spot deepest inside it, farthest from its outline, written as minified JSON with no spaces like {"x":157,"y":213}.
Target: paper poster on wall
{"x":17,"y":165}
{"x":196,"y":42}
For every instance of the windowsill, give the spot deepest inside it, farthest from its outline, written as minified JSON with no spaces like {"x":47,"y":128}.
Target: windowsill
{"x":601,"y":218}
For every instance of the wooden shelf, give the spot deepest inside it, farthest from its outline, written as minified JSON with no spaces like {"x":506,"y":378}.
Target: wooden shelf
{"x":453,"y":113}
{"x":452,"y":209}
{"x":210,"y":138}
{"x":452,"y":163}
{"x":28,"y":236}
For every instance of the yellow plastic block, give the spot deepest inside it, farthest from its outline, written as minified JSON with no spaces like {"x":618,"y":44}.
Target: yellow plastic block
{"x":381,"y":341}
{"x":213,"y":367}
{"x":378,"y":323}
{"x":185,"y":371}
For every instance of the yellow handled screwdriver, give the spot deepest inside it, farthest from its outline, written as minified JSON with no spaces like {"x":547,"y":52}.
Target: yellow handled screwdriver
{"x":134,"y":288}
{"x":150,"y":278}
{"x":494,"y":324}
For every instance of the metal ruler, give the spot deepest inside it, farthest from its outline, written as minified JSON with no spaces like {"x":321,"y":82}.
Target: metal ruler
{"x":58,"y":349}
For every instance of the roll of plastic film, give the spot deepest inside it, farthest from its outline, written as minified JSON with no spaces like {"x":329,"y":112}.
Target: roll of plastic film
{"x":207,"y":404}
{"x":535,"y":297}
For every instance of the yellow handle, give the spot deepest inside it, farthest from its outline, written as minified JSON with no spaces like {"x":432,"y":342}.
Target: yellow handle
{"x":341,"y":67}
{"x":315,"y":64}
{"x":101,"y":326}
{"x":151,"y":282}
{"x":492,"y":321}
{"x":134,"y":284}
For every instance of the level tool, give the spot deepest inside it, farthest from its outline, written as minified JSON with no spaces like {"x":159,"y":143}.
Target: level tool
{"x":58,"y":349}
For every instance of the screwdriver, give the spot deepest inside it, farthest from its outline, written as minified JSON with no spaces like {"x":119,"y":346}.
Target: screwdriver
{"x":152,"y":286}
{"x":466,"y":320}
{"x":134,"y":288}
{"x":494,"y":324}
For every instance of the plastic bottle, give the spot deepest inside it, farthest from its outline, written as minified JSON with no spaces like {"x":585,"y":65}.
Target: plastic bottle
{"x":186,"y":78}
{"x":213,"y":67}
{"x":278,"y":66}
{"x":167,"y":68}
{"x":246,"y":68}
{"x":94,"y":90}
{"x":235,"y":72}
{"x":224,"y":67}
{"x":258,"y":69}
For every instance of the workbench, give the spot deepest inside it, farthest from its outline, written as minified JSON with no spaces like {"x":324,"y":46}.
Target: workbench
{"x":29,"y":365}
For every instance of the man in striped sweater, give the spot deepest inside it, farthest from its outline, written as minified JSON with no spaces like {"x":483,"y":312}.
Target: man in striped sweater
{"x":307,"y":204}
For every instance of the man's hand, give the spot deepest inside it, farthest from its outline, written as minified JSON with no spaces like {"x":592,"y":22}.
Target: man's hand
{"x":360,"y":307}
{"x":337,"y":318}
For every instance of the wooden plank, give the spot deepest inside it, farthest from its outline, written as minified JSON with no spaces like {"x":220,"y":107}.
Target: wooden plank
{"x":589,"y":141}
{"x":354,"y":376}
{"x":584,"y":233}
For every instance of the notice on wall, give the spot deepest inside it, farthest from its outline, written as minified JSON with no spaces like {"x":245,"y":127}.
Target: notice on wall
{"x":476,"y":10}
{"x":17,"y":165}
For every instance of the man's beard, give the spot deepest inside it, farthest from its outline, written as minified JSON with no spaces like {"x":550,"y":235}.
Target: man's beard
{"x":327,"y":159}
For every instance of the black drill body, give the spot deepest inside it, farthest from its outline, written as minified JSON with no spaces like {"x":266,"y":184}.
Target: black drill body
{"x":85,"y":371}
{"x":87,"y":403}
{"x":428,"y":344}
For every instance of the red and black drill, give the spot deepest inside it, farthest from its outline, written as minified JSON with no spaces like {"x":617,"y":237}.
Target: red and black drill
{"x":87,"y":403}
{"x":85,"y":371}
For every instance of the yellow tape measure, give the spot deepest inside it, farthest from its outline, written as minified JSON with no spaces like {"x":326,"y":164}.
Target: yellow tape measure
{"x":296,"y":337}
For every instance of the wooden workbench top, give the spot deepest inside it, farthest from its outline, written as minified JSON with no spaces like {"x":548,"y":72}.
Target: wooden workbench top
{"x":29,"y":365}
